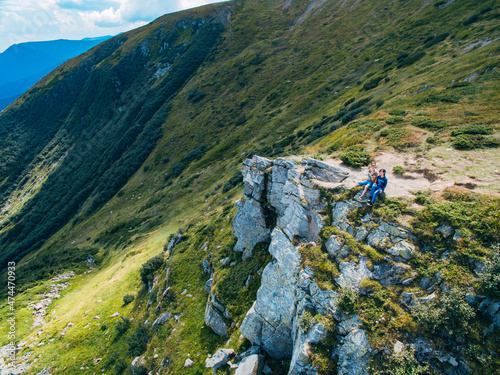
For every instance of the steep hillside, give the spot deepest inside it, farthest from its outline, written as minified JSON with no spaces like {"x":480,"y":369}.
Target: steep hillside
{"x":123,"y":165}
{"x":23,"y":64}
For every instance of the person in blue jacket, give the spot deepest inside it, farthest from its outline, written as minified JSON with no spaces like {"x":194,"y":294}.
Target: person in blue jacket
{"x":378,"y":187}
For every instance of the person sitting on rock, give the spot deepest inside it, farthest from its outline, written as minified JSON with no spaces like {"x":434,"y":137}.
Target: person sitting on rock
{"x":368,"y":183}
{"x":378,"y":187}
{"x":372,"y":175}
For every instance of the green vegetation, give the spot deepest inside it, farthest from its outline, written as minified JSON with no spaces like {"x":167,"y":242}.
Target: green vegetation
{"x":118,"y":149}
{"x":355,"y":156}
{"x":348,"y":300}
{"x":399,"y":170}
{"x":450,"y":313}
{"x":149,"y":267}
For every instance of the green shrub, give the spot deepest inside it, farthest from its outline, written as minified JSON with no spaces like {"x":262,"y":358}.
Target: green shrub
{"x":491,"y":274}
{"x":150,"y":267}
{"x":348,"y":300}
{"x":404,"y":363}
{"x":405,"y":59}
{"x":120,"y":366}
{"x":379,"y":103}
{"x":141,"y":370}
{"x":371,"y":84}
{"x":397,"y":169}
{"x":433,"y":140}
{"x":324,"y":269}
{"x":195,"y":95}
{"x":398,"y":112}
{"x":176,"y":170}
{"x":399,"y":138}
{"x":236,"y":180}
{"x":473,"y":129}
{"x":467,"y":142}
{"x":355,"y":156}
{"x":122,"y":325}
{"x":128,"y":298}
{"x":471,"y":20}
{"x":137,"y":343}
{"x":450,"y":313}
{"x":349,"y":116}
{"x":430,"y":41}
{"x":441,"y":97}
{"x":428,"y":123}
{"x":306,"y":320}
{"x":391,"y":120}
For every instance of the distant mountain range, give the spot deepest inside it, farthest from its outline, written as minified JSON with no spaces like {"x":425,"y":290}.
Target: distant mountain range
{"x":22,"y":65}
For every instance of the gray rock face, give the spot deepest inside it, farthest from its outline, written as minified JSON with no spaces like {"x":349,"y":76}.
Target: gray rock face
{"x":319,"y":170}
{"x":301,"y":363}
{"x":249,"y":226}
{"x":402,"y":249}
{"x":353,"y":273}
{"x":269,"y":321}
{"x":445,"y":231}
{"x":354,"y":354}
{"x":162,"y":319}
{"x":214,"y":320}
{"x":219,"y":359}
{"x":251,"y":365}
{"x":333,"y":246}
{"x":389,"y":272}
{"x":254,"y":177}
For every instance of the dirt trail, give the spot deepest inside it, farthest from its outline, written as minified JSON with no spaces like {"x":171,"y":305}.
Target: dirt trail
{"x":422,"y":176}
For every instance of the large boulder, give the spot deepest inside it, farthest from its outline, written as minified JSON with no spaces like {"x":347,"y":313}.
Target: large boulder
{"x":251,"y":365}
{"x":319,"y":170}
{"x":249,"y":225}
{"x":214,"y":320}
{"x":353,"y":354}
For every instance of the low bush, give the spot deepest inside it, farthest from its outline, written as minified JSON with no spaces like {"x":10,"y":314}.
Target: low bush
{"x":123,"y":325}
{"x":472,"y":19}
{"x":236,"y":180}
{"x":371,"y":84}
{"x":441,"y":97}
{"x":355,"y":156}
{"x":137,"y":343}
{"x":450,"y":313}
{"x":398,"y":112}
{"x":470,"y":141}
{"x":391,"y":120}
{"x":128,"y":298}
{"x":324,"y":269}
{"x":196,"y":95}
{"x":397,"y":169}
{"x":432,"y":40}
{"x":348,"y":300}
{"x":473,"y":129}
{"x":408,"y":59}
{"x":405,"y":363}
{"x":399,"y":138}
{"x":148,"y":268}
{"x":428,"y":123}
{"x":491,"y":275}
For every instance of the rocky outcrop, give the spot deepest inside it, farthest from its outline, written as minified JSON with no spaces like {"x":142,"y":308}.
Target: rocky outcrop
{"x":215,"y":313}
{"x":273,"y":322}
{"x":368,"y":248}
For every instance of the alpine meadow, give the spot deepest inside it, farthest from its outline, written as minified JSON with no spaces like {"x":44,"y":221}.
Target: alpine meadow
{"x":184,"y":197}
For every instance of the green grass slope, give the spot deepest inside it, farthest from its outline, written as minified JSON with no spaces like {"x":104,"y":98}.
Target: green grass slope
{"x":119,"y":148}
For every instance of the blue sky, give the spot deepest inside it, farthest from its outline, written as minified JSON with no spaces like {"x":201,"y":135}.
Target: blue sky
{"x":35,"y":20}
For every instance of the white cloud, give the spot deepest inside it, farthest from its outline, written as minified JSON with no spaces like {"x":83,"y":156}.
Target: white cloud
{"x":30,"y":20}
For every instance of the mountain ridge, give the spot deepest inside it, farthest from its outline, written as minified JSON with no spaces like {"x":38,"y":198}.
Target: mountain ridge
{"x":151,"y":129}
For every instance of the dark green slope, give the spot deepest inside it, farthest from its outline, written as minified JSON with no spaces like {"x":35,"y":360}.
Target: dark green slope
{"x":101,"y":117}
